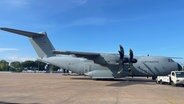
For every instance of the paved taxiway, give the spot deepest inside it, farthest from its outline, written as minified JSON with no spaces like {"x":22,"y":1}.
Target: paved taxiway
{"x":30,"y":88}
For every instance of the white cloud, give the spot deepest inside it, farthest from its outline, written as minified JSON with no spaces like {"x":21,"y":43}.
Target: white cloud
{"x":18,"y":2}
{"x":18,"y":58}
{"x":8,"y":49}
{"x":81,"y":2}
{"x":14,"y":3}
{"x":11,"y":54}
{"x":87,"y":21}
{"x":97,"y":21}
{"x":65,"y":5}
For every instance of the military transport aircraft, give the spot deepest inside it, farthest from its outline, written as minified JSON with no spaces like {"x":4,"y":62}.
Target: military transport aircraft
{"x":99,"y":65}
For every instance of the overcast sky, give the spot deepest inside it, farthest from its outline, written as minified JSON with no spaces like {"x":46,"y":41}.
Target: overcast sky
{"x":154,"y":27}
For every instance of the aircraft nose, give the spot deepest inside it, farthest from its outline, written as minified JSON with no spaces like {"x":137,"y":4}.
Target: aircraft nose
{"x":179,"y":67}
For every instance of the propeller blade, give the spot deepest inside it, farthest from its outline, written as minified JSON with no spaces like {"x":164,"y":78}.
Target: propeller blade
{"x":132,"y":59}
{"x":121,"y":63}
{"x":121,"y":52}
{"x":121,"y":49}
{"x":121,"y":55}
{"x":131,"y":54}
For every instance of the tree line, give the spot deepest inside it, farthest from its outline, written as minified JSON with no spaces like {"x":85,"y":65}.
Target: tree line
{"x":17,"y":66}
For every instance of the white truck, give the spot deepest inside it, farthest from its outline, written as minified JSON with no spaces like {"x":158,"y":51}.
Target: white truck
{"x":175,"y":78}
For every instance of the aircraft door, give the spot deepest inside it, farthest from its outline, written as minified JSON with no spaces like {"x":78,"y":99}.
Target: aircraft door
{"x":87,"y":68}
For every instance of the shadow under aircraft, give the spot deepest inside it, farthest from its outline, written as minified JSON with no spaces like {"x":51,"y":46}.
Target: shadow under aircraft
{"x":3,"y":102}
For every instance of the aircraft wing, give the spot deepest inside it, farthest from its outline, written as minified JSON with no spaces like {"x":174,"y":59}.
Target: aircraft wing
{"x":96,"y":57}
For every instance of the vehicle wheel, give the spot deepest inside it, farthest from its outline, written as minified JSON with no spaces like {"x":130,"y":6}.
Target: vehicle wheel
{"x":183,"y":85}
{"x":157,"y":82}
{"x":172,"y":84}
{"x":161,"y":82}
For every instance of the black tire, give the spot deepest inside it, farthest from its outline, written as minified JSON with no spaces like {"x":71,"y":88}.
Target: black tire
{"x":157,"y":82}
{"x":161,"y":82}
{"x":172,"y":84}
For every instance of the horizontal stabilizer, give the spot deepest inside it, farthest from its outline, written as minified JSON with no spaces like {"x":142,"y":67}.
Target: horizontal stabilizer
{"x":24,"y":33}
{"x":39,"y":41}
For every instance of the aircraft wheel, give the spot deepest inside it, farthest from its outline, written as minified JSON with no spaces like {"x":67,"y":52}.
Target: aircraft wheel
{"x":154,"y":77}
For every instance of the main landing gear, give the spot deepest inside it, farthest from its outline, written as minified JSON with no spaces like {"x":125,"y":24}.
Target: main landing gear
{"x":154,"y":77}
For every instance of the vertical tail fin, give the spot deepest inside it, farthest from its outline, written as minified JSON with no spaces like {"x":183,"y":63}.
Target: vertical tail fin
{"x":40,"y":41}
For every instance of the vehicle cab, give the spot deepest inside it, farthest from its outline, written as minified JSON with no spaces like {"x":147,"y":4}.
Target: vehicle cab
{"x":177,"y":78}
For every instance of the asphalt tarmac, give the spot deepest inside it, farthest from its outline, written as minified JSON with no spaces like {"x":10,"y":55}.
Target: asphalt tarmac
{"x":41,"y":88}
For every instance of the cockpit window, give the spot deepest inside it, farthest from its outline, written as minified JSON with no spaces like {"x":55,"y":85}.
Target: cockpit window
{"x":173,"y":74}
{"x":170,"y":60}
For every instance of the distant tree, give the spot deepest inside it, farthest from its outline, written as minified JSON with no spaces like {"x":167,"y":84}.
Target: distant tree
{"x":16,"y":66}
{"x":40,"y":65}
{"x":4,"y":65}
{"x":55,"y":68}
{"x":29,"y":65}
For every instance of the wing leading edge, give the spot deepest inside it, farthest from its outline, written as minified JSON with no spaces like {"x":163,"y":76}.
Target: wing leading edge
{"x":77,"y":54}
{"x":96,"y":57}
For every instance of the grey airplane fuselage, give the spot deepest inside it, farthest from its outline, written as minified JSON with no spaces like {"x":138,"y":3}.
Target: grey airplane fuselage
{"x":146,"y":66}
